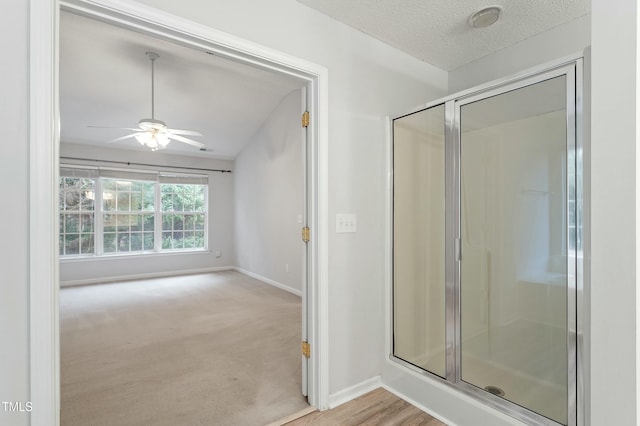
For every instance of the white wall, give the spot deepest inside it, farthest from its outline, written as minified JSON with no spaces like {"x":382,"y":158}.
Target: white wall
{"x":269,"y":184}
{"x":77,"y":271}
{"x":614,"y":213}
{"x":14,"y":170}
{"x":560,"y":41}
{"x":367,"y":81}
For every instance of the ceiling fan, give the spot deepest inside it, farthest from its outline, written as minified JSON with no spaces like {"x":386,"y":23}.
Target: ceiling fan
{"x":154,"y":133}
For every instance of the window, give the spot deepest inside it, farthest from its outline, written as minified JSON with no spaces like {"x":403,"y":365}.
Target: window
{"x":107,"y":212}
{"x":77,"y":216}
{"x":183,"y":216}
{"x":128,"y":215}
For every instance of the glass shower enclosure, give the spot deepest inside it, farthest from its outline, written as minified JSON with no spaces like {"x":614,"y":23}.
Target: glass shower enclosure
{"x":487,"y":244}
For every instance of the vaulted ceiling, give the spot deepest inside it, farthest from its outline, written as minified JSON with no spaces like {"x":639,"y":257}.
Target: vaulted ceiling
{"x":105,"y":80}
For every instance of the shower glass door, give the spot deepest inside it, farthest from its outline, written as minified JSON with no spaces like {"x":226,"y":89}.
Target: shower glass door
{"x":487,"y":244}
{"x":419,"y":239}
{"x":517,"y":231}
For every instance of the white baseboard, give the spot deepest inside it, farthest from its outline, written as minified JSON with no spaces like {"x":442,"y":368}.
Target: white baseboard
{"x":268,"y":281}
{"x":144,"y":276}
{"x":354,"y":391}
{"x":418,"y":405}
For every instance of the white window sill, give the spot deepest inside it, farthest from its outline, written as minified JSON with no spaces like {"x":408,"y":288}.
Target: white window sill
{"x":120,"y":256}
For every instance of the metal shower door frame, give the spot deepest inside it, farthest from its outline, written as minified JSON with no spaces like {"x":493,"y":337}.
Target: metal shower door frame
{"x":573,"y":70}
{"x":454,"y":259}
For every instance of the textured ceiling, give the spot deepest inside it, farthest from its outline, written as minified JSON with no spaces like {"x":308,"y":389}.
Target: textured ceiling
{"x":105,"y":80}
{"x":437,"y":31}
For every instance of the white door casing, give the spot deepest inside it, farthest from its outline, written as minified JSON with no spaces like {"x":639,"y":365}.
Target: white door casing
{"x":44,"y":148}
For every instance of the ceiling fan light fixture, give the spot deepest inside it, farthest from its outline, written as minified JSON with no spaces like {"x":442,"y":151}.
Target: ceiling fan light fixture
{"x":162,"y":139}
{"x":485,"y":17}
{"x":147,"y":138}
{"x":153,"y":139}
{"x":154,"y":133}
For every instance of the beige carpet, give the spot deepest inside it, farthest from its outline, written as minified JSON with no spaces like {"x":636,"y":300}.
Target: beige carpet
{"x":211,"y":349}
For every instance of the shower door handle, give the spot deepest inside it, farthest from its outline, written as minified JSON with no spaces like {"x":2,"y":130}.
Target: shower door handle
{"x":458,"y":249}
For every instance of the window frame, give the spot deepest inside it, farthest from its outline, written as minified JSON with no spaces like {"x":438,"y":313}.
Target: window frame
{"x":64,"y":213}
{"x":184,"y":214}
{"x":156,"y":178}
{"x":117,"y":212}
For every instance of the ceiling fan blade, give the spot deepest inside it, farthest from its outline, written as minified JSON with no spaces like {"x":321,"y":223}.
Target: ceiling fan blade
{"x":132,"y":135}
{"x":120,"y":128}
{"x":183,"y":132}
{"x":186,"y":140}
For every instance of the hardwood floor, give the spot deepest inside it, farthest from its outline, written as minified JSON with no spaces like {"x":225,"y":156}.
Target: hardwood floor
{"x":378,"y":407}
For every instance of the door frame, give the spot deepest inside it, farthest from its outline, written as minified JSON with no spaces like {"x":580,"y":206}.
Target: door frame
{"x":44,"y":144}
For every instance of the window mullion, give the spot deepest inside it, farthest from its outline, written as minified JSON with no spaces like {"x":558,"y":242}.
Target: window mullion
{"x":206,"y":217}
{"x":98,"y":244}
{"x":157,"y":218}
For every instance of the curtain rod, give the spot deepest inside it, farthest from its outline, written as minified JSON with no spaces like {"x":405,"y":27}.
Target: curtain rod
{"x":129,"y":163}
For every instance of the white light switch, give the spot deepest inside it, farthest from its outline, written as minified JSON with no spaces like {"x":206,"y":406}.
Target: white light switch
{"x":345,"y":222}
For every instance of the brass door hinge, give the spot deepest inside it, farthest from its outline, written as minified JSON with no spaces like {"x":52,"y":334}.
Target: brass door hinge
{"x":305,"y":119}
{"x":306,"y":234}
{"x":306,"y":349}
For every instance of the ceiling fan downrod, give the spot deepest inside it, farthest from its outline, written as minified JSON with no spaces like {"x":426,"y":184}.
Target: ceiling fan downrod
{"x":154,"y":133}
{"x":152,"y":56}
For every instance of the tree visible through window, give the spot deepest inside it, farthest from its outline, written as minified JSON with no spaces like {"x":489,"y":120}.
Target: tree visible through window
{"x":76,"y":216}
{"x":101,"y":213}
{"x":129,"y":215}
{"x":183,"y":216}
